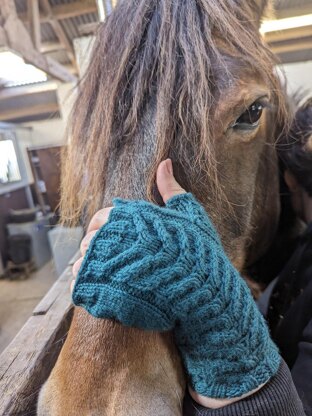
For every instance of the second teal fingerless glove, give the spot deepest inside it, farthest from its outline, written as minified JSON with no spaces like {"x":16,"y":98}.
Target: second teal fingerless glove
{"x":164,"y":268}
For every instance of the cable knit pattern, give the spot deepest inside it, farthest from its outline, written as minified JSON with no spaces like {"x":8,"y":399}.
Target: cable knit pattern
{"x":164,"y":268}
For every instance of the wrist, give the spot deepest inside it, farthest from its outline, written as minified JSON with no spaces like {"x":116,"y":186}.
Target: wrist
{"x":216,"y":403}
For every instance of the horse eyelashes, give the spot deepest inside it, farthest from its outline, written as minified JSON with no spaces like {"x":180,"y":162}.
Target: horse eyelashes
{"x":250,"y":118}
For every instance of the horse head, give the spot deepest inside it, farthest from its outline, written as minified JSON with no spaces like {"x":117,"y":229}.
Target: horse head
{"x":191,"y":80}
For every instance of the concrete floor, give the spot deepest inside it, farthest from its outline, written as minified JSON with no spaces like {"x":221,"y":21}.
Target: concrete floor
{"x":18,"y":298}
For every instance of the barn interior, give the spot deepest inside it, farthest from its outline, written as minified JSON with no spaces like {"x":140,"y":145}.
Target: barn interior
{"x":44,"y":50}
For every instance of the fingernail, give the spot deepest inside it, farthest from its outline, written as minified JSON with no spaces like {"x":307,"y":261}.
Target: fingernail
{"x":169,"y":166}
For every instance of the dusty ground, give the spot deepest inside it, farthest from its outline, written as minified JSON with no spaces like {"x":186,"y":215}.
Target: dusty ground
{"x":19,"y":298}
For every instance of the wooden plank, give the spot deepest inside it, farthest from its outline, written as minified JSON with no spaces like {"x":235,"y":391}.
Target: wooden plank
{"x":47,"y":47}
{"x":66,"y":71}
{"x":293,"y":47}
{"x":62,"y":282}
{"x":70,"y":68}
{"x":301,"y":10}
{"x":78,"y":8}
{"x":289,"y":34}
{"x":66,"y":11}
{"x":27,"y":362}
{"x":59,"y":31}
{"x":34,"y":22}
{"x":3,"y":38}
{"x":29,"y":111}
{"x":27,"y":90}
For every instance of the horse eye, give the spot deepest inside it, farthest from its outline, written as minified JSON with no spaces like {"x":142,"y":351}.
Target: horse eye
{"x":250,"y":118}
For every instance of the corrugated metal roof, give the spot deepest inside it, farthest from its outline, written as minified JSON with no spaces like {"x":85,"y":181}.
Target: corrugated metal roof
{"x":47,"y":33}
{"x":71,"y":26}
{"x":21,"y":6}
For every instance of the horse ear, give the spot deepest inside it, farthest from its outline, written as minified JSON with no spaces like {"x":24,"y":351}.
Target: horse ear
{"x":259,"y":9}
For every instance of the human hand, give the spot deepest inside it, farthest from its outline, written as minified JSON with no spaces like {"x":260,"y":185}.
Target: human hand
{"x":97,"y":221}
{"x":167,"y":186}
{"x":162,"y":268}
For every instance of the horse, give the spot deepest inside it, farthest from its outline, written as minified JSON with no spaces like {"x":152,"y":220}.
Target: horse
{"x":194,"y":81}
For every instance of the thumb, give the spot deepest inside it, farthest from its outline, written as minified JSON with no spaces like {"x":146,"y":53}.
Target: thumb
{"x":166,"y":183}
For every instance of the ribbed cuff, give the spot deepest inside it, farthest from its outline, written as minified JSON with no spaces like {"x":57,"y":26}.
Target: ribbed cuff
{"x":277,"y":398}
{"x":232,"y":381}
{"x":112,"y":302}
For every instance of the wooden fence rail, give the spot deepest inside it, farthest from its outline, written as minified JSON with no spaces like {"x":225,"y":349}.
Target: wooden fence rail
{"x":27,"y":362}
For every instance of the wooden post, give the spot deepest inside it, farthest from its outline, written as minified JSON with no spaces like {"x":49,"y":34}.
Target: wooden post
{"x":34,"y":22}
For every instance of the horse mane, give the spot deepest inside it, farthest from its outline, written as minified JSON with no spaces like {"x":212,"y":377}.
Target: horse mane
{"x":172,"y":51}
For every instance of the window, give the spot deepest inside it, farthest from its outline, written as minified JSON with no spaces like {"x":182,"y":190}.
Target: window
{"x":9,"y":169}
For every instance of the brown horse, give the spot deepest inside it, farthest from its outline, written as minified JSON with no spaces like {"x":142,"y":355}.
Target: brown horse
{"x":191,"y":80}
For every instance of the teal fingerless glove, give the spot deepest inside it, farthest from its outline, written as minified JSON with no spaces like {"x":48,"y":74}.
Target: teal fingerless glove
{"x":164,"y":268}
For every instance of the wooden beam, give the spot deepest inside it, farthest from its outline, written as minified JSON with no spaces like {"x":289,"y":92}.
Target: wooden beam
{"x":3,"y":38}
{"x":293,"y":47}
{"x":60,"y":33}
{"x":282,"y":35}
{"x":19,"y":40}
{"x":66,"y":11}
{"x":28,"y":111}
{"x":47,"y":47}
{"x":72,"y":69}
{"x":34,"y":22}
{"x":294,"y":11}
{"x":27,"y":90}
{"x":88,"y":28}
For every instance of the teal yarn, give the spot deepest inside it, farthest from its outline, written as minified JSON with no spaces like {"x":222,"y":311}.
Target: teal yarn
{"x":164,"y":268}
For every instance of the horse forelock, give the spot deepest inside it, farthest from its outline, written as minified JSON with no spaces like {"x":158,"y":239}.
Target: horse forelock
{"x":170,"y":59}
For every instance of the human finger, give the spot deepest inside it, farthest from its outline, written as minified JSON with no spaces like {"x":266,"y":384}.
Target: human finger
{"x":99,"y":219}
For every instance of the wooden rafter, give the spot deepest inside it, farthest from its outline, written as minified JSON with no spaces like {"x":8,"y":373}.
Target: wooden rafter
{"x":59,"y":31}
{"x":66,"y":11}
{"x":29,"y":111}
{"x":3,"y":37}
{"x":294,"y":11}
{"x":290,"y":40}
{"x":27,"y":90}
{"x":47,"y":47}
{"x":289,"y":34}
{"x":34,"y":22}
{"x":18,"y":39}
{"x":305,"y":44}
